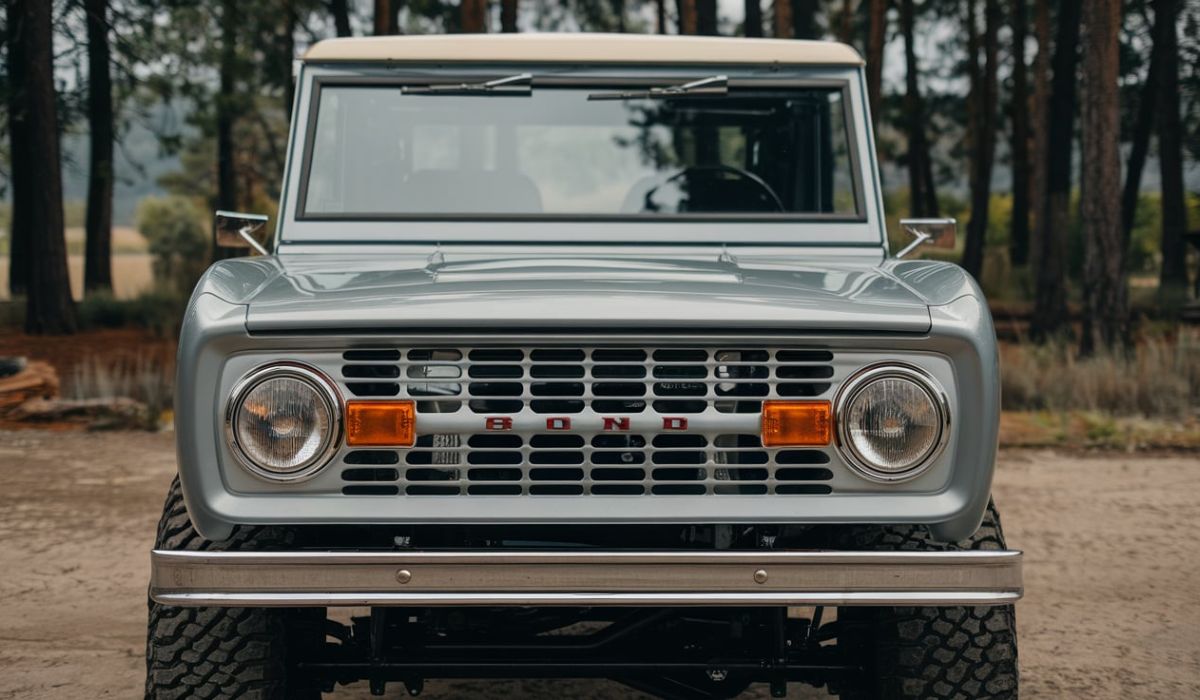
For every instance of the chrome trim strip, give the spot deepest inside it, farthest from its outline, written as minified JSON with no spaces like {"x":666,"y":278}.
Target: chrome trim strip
{"x":499,"y":578}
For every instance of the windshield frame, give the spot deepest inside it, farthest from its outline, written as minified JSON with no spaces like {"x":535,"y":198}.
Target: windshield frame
{"x":861,"y":227}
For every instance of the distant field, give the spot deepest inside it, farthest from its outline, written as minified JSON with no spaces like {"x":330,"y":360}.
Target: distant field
{"x":132,"y":274}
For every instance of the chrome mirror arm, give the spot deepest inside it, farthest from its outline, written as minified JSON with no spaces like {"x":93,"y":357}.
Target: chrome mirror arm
{"x":245,"y":233}
{"x":942,"y":236}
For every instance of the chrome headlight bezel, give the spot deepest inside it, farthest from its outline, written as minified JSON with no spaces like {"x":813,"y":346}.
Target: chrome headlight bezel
{"x":327,"y":392}
{"x":850,"y":391}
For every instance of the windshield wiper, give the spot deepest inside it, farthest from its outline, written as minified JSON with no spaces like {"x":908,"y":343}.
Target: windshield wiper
{"x":513,"y":85}
{"x":713,"y":85}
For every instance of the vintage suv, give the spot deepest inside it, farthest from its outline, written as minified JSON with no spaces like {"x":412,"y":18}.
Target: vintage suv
{"x":583,"y":356}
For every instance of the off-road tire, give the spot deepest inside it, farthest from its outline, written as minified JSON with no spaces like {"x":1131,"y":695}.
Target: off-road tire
{"x":941,"y":653}
{"x":224,"y":652}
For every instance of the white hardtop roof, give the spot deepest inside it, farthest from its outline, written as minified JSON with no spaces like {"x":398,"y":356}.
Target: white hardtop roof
{"x":582,"y":48}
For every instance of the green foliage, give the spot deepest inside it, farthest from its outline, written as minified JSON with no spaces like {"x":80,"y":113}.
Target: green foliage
{"x":159,"y":310}
{"x":177,"y":239}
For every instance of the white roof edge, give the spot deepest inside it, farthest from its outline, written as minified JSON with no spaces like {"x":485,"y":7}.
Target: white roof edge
{"x":582,"y":48}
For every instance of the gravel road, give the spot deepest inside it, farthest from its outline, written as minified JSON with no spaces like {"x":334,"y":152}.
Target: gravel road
{"x":1112,"y":565}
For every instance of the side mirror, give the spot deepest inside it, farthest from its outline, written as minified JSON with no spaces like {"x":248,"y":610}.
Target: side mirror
{"x":940,"y":233}
{"x":237,"y":230}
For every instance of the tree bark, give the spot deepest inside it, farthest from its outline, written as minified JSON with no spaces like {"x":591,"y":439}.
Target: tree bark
{"x":1173,"y":277}
{"x":287,"y":54}
{"x":1018,"y":248}
{"x":1050,"y":299}
{"x":753,"y":23}
{"x":340,"y":10}
{"x":1139,"y":146}
{"x":686,"y":10}
{"x":660,"y":16}
{"x":804,"y":19}
{"x":1039,"y":116}
{"x":876,"y":37}
{"x":706,"y":17}
{"x":845,"y":32}
{"x":1105,"y":298}
{"x":226,"y":115}
{"x":97,"y":258}
{"x":508,"y":15}
{"x":474,"y":16}
{"x":36,"y":165}
{"x":783,"y":19}
{"x":18,"y":130}
{"x":384,"y":18}
{"x":922,"y":192}
{"x":982,"y":138}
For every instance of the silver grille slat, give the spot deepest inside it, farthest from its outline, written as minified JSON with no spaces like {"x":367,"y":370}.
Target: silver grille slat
{"x":718,"y":391}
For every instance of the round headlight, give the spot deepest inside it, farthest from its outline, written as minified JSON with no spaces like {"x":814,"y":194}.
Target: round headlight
{"x":892,"y":421}
{"x":284,"y":422}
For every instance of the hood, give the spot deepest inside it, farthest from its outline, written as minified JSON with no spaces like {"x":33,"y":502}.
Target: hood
{"x":393,"y":292}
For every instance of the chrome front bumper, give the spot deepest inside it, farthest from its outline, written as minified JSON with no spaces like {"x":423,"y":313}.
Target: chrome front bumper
{"x":584,"y":578}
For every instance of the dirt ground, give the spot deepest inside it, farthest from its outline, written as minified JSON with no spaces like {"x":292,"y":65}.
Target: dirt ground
{"x":1112,"y":564}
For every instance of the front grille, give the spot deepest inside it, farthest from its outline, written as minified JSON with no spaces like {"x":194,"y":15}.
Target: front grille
{"x":587,"y":421}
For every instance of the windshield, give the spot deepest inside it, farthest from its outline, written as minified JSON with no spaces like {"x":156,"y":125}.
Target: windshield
{"x":383,"y":152}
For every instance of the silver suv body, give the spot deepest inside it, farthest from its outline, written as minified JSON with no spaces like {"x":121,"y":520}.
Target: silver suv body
{"x":548,"y":284}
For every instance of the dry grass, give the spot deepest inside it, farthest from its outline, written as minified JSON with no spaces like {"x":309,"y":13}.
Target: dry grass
{"x":145,"y":377}
{"x":1160,"y":378}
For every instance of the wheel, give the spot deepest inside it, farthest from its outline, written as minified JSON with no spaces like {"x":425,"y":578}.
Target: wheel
{"x":936,"y":652}
{"x":224,"y":652}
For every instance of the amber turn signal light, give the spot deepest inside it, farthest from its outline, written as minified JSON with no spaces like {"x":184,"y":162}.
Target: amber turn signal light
{"x":797,"y":423}
{"x":380,"y":423}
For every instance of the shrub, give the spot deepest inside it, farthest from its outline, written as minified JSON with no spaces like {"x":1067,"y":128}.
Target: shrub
{"x":177,"y":239}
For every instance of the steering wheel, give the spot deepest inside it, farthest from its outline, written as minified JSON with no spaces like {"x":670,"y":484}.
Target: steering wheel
{"x":713,"y":173}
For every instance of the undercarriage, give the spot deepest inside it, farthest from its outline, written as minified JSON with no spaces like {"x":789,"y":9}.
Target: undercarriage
{"x":667,"y":652}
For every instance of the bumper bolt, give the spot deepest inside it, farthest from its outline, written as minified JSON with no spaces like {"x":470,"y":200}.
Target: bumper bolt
{"x":403,"y":575}
{"x":760,"y":576}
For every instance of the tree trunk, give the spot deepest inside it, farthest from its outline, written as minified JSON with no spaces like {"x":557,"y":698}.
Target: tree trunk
{"x":1050,"y":300}
{"x":18,"y":130}
{"x":660,"y":16}
{"x":804,"y":19}
{"x":1018,"y":247}
{"x":783,"y":19}
{"x":922,"y":193}
{"x":845,"y":32}
{"x":1039,"y":118}
{"x":687,"y":16}
{"x":384,"y":18}
{"x":1105,"y":299}
{"x":1173,"y":278}
{"x":341,"y":16}
{"x":753,"y":24}
{"x":1143,"y":125}
{"x":37,"y":167}
{"x":474,"y":16}
{"x":287,"y":54}
{"x":983,"y":139}
{"x":97,"y":258}
{"x":508,"y":15}
{"x":706,"y":17}
{"x":876,"y":37}
{"x":226,"y":115}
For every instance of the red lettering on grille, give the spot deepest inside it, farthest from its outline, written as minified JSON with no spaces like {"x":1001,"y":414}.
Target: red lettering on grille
{"x":621,"y":423}
{"x":674,"y":423}
{"x":497,"y":423}
{"x":562,"y":423}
